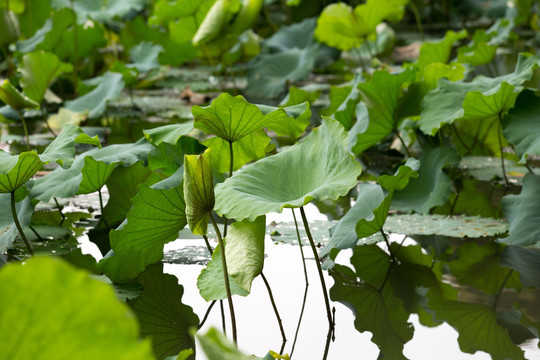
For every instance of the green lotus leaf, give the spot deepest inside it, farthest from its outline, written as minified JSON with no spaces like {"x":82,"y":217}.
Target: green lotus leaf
{"x":521,"y":126}
{"x":246,"y":17}
{"x":51,"y":328}
{"x":39,"y":70}
{"x":318,"y":168}
{"x":301,"y":95}
{"x":230,"y":118}
{"x":14,"y":98}
{"x":216,"y":346}
{"x":62,"y":149}
{"x":198,"y":192}
{"x":165,"y":11}
{"x":215,"y":20}
{"x":439,"y":51}
{"x":479,"y":266}
{"x":298,"y":35}
{"x":244,"y":251}
{"x":478,"y":51}
{"x":101,"y":11}
{"x":287,"y":121}
{"x":161,"y":313}
{"x":8,"y":230}
{"x":444,"y":105}
{"x":9,"y":27}
{"x":94,"y":175}
{"x":157,"y":215}
{"x":49,"y":33}
{"x":15,"y":170}
{"x":381,"y":95}
{"x":145,"y":56}
{"x":521,"y":213}
{"x":432,"y":187}
{"x":478,"y":329}
{"x":108,"y":87}
{"x":343,"y":102}
{"x":169,"y":158}
{"x":523,"y":260}
{"x":169,"y":134}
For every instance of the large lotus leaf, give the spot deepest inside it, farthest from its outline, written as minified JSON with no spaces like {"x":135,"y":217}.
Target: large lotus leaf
{"x":230,"y":118}
{"x":169,"y":134}
{"x":250,"y":147}
{"x":64,"y":183}
{"x":55,"y":326}
{"x":8,"y":230}
{"x":522,"y":213}
{"x":444,"y":105}
{"x":479,"y":127}
{"x":109,"y":86}
{"x":145,"y":56}
{"x":155,"y":219}
{"x":287,"y":121}
{"x":379,"y":312}
{"x":165,"y":11}
{"x":161,"y":313}
{"x":432,"y":187}
{"x":14,"y":98}
{"x":268,"y":74}
{"x":439,"y":51}
{"x":198,"y":192}
{"x":522,"y":125}
{"x":381,"y":96}
{"x":244,"y":250}
{"x":62,"y":149}
{"x":526,"y":261}
{"x":478,"y":266}
{"x":318,"y":168}
{"x":15,"y":170}
{"x":39,"y":70}
{"x":478,"y":329}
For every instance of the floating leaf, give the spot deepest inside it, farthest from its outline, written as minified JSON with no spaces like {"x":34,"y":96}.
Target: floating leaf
{"x":198,"y":192}
{"x":318,"y":168}
{"x":28,"y":326}
{"x":39,"y":70}
{"x":161,"y":313}
{"x":521,"y":213}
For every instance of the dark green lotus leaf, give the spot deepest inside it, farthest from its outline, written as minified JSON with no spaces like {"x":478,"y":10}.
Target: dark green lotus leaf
{"x":169,"y":134}
{"x":8,"y":230}
{"x":525,"y":261}
{"x":478,"y":51}
{"x":39,"y":70}
{"x":94,"y":175}
{"x":198,"y":192}
{"x":380,"y":313}
{"x":51,"y":328}
{"x":161,"y":313}
{"x":64,"y":183}
{"x":343,"y":102}
{"x":521,"y":213}
{"x":62,"y":149}
{"x":108,"y":87}
{"x":145,"y":56}
{"x":15,"y":170}
{"x":244,"y":250}
{"x":478,"y":328}
{"x":521,"y":126}
{"x":288,"y":120}
{"x":381,"y":96}
{"x":14,"y":98}
{"x":157,"y":215}
{"x":216,"y":346}
{"x":479,"y":266}
{"x":318,"y":168}
{"x":432,"y":187}
{"x":169,"y":158}
{"x":50,"y":32}
{"x":445,"y":104}
{"x":439,"y":51}
{"x":268,"y":74}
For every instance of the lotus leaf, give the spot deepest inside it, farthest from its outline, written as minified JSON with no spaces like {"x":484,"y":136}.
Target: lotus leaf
{"x":523,"y":260}
{"x":15,"y":170}
{"x":439,"y":51}
{"x":14,"y":98}
{"x":318,"y":168}
{"x":198,"y":192}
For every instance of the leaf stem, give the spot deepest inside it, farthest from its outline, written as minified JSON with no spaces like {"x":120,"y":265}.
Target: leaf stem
{"x":392,"y":262}
{"x":18,"y":224}
{"x":501,"y":289}
{"x":278,"y":317}
{"x":101,"y":208}
{"x":211,"y":251}
{"x":501,"y":150}
{"x":225,"y":276}
{"x":207,"y":313}
{"x":60,"y":211}
{"x":25,"y":129}
{"x":403,"y":143}
{"x":307,"y":284}
{"x":323,"y":283}
{"x":231,"y":166}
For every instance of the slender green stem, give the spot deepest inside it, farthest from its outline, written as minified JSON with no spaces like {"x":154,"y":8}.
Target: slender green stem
{"x":529,"y":168}
{"x":392,"y":262}
{"x":388,"y":245}
{"x":306,"y":287}
{"x":211,"y":251}
{"x":502,"y":155}
{"x":25,"y":129}
{"x":403,"y":143}
{"x":101,"y":208}
{"x":501,"y":289}
{"x":278,"y":317}
{"x":323,"y":283}
{"x":416,"y":14}
{"x":225,"y":276}
{"x":35,"y":233}
{"x":231,"y":167}
{"x":60,"y":211}
{"x":460,"y":139}
{"x":18,"y":224}
{"x":207,"y":313}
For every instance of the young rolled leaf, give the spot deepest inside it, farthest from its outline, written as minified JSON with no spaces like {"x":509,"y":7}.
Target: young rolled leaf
{"x":215,"y":20}
{"x":14,"y":98}
{"x":317,"y":168}
{"x":198,"y":191}
{"x":30,"y":328}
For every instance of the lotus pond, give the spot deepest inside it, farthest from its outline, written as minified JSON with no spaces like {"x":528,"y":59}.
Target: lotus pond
{"x":248,"y":179}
